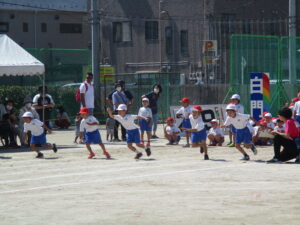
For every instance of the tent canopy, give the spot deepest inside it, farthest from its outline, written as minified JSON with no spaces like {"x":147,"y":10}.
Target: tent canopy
{"x":14,"y":60}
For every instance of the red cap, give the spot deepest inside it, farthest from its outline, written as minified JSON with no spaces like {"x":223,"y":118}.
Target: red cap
{"x":295,"y":99}
{"x":263,"y":123}
{"x":298,"y":93}
{"x":170,"y":119}
{"x":84,"y":110}
{"x":186,"y":100}
{"x":292,"y":104}
{"x":198,"y":108}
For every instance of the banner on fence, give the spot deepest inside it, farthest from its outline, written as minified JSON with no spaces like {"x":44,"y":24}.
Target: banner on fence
{"x":259,"y":94}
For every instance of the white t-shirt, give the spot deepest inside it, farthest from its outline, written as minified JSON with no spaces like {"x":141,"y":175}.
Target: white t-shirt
{"x":87,"y":127}
{"x":297,"y":108}
{"x":172,"y":130}
{"x":127,"y":121}
{"x":215,"y":131}
{"x":185,"y":111}
{"x":35,"y":126}
{"x":89,"y":94}
{"x":145,"y":111}
{"x":280,"y":129}
{"x":271,"y":125}
{"x":240,"y":121}
{"x":239,"y":108}
{"x":197,"y":123}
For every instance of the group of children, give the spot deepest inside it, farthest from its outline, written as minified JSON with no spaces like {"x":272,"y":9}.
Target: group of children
{"x":241,"y":129}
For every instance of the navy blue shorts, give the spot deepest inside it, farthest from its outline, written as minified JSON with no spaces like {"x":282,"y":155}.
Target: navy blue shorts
{"x":297,"y":119}
{"x":186,"y":123}
{"x":145,"y":125}
{"x":243,"y":136}
{"x":38,"y":139}
{"x":232,"y":129}
{"x":198,"y":136}
{"x":93,"y":137}
{"x":133,"y":136}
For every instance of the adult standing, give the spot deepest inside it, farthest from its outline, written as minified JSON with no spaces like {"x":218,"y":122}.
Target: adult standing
{"x":43,"y":101}
{"x":120,"y":99}
{"x":87,"y":97}
{"x":286,"y":139}
{"x":153,"y":97}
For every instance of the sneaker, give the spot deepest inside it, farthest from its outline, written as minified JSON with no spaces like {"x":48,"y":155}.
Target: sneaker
{"x":54,"y":148}
{"x":206,"y":157}
{"x":107,"y":155}
{"x":274,"y":160}
{"x":148,"y":151}
{"x":138,"y":155}
{"x":176,"y":143}
{"x":186,"y":146}
{"x":246,"y":158}
{"x":231,"y":145}
{"x":254,"y":150}
{"x":154,"y":137}
{"x":201,"y":150}
{"x":117,"y":140}
{"x":297,"y":160}
{"x":40,"y":155}
{"x":169,"y":143}
{"x":91,"y":156}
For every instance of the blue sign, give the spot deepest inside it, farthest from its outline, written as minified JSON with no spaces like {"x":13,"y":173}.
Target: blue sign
{"x":256,"y":95}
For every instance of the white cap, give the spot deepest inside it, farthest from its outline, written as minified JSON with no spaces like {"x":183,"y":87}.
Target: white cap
{"x":275,"y":120}
{"x":268,"y":115}
{"x":231,"y":107}
{"x":235,"y":96}
{"x":28,"y":114}
{"x":145,"y":99}
{"x":214,"y":121}
{"x":122,"y":107}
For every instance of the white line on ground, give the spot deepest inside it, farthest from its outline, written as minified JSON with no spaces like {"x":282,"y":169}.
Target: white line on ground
{"x":119,"y":178}
{"x":95,"y":172}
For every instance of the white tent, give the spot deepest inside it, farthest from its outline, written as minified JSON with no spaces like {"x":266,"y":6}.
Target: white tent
{"x":14,"y":60}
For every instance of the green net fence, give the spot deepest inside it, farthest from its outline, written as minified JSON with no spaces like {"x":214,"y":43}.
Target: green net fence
{"x":141,"y":83}
{"x":278,"y":56}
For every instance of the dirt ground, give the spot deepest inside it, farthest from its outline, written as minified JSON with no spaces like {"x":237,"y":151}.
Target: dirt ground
{"x":173,"y":186}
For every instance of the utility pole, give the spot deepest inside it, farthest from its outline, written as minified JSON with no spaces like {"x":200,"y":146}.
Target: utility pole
{"x":95,"y":25}
{"x":292,"y":41}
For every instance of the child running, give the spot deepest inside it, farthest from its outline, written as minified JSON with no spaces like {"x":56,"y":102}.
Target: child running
{"x":241,"y":123}
{"x":133,"y":134}
{"x":172,"y":133}
{"x":198,"y":131}
{"x":236,"y":99}
{"x":184,"y":112}
{"x":37,"y":134}
{"x":145,"y":125}
{"x":89,"y":125}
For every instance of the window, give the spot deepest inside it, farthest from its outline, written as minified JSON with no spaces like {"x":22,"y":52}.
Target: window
{"x":70,"y":28}
{"x":184,"y":47}
{"x":151,"y":30}
{"x":25,"y":27}
{"x":122,"y":31}
{"x":169,"y":40}
{"x":4,"y":27}
{"x":43,"y":27}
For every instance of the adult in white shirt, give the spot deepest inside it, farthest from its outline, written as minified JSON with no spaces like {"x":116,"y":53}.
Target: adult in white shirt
{"x":87,"y":93}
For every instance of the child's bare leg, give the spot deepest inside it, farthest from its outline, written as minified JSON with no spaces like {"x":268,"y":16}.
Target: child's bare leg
{"x":233,"y":136}
{"x":239,"y":147}
{"x":230,"y":136}
{"x":102,"y":147}
{"x":248,"y":145}
{"x":174,"y":137}
{"x":188,"y":134}
{"x":76,"y":138}
{"x":107,"y":136}
{"x":34,"y":148}
{"x":131,"y":147}
{"x":88,"y":146}
{"x":211,"y":138}
{"x":140,"y":145}
{"x":47,"y":146}
{"x":204,"y":146}
{"x":148,"y":136}
{"x":142,"y":136}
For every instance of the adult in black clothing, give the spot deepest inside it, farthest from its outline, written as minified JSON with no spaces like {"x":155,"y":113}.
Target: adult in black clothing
{"x":109,"y":99}
{"x":41,"y":101}
{"x":153,"y":97}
